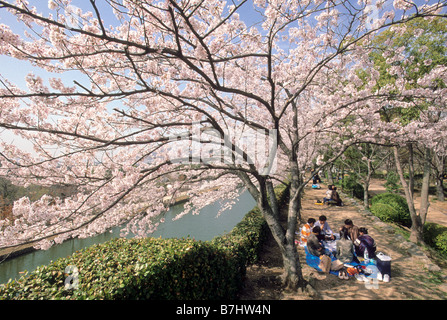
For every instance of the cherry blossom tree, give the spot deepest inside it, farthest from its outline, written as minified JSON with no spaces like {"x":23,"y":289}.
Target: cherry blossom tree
{"x":172,"y":88}
{"x":421,"y":119}
{"x":363,"y":160}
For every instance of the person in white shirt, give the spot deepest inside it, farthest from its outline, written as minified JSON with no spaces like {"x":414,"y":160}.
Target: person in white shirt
{"x":328,"y":196}
{"x":326,"y":231}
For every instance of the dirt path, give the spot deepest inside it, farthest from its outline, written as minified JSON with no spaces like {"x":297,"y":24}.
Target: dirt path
{"x":437,"y":211}
{"x":410,"y":278}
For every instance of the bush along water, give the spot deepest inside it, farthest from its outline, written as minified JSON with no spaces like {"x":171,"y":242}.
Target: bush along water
{"x":150,"y":268}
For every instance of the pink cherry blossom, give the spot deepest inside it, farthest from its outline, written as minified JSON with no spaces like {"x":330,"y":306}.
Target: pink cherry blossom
{"x":186,"y":97}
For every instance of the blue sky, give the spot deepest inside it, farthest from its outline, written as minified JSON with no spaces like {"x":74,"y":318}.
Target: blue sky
{"x":15,"y":70}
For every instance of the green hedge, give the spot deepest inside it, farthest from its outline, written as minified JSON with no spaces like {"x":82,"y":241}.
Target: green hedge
{"x":391,"y":207}
{"x":435,"y":235}
{"x":132,"y":269}
{"x":351,"y":185}
{"x":160,"y":269}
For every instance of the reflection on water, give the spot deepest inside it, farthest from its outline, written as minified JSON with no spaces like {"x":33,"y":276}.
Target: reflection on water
{"x":204,"y":226}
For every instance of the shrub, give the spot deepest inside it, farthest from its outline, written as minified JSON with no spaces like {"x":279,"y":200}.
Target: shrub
{"x":160,"y":269}
{"x":163,"y":269}
{"x":384,"y":212}
{"x":435,"y":236}
{"x":392,"y":183}
{"x":391,"y":207}
{"x":350,"y":184}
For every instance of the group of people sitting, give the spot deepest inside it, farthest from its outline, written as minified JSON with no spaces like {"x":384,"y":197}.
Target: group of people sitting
{"x":352,"y":242}
{"x":332,"y":196}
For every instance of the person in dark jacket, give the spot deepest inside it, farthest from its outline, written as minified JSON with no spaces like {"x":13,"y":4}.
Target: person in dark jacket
{"x":336,"y":197}
{"x":365,"y":242}
{"x":314,"y":245}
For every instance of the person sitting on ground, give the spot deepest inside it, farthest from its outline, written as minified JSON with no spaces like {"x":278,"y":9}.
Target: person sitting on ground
{"x":365,"y":242}
{"x":345,"y":247}
{"x":315,"y":181}
{"x":326,"y":231}
{"x":353,"y":231}
{"x":336,"y":197}
{"x":316,"y":178}
{"x":315,"y":248}
{"x":328,"y":196}
{"x":314,"y":245}
{"x":306,"y":230}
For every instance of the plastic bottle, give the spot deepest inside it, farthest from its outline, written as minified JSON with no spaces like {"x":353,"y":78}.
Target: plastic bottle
{"x":366,"y":256}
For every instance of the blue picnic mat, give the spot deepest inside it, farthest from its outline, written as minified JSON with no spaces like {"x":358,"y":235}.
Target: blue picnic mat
{"x":314,"y":261}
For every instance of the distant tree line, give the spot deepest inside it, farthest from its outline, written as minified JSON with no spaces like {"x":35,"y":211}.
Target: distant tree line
{"x":10,"y":193}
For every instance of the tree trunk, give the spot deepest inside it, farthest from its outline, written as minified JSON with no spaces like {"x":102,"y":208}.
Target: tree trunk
{"x":417,"y":226}
{"x":273,"y":200}
{"x":366,"y":183}
{"x":292,"y":276}
{"x":411,"y":168}
{"x":416,"y":234}
{"x":425,"y":186}
{"x":366,"y":195}
{"x":417,"y":230}
{"x":330,"y":178}
{"x":440,"y":188}
{"x":440,"y":168}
